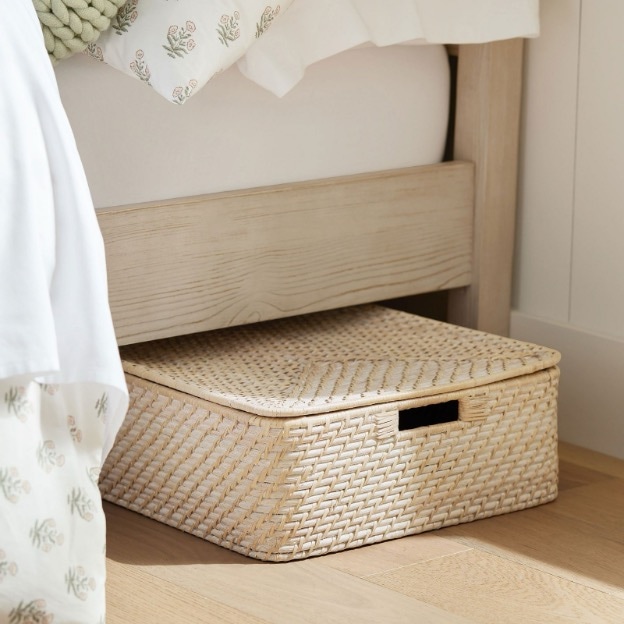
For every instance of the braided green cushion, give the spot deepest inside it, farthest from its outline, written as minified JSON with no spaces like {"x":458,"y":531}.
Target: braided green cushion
{"x":69,"y":26}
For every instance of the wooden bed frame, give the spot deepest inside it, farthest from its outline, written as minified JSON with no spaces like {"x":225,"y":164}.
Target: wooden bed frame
{"x":211,"y":261}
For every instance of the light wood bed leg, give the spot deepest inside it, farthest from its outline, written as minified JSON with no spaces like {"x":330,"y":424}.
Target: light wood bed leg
{"x":489,"y":87}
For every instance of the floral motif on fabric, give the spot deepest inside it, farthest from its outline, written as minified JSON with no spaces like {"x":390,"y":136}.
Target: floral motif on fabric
{"x":11,"y":486}
{"x":45,"y":535}
{"x":125,"y":17}
{"x":181,"y":94}
{"x":7,"y":568}
{"x":32,"y":612}
{"x":211,"y":36}
{"x":50,"y":389}
{"x":80,"y":504}
{"x":179,"y":40}
{"x":101,"y":405}
{"x":75,"y":433}
{"x":93,"y":474}
{"x":266,"y":19}
{"x":141,"y":70}
{"x":48,"y":457}
{"x":228,"y":28}
{"x":17,"y":402}
{"x":94,"y":51}
{"x":79,"y":583}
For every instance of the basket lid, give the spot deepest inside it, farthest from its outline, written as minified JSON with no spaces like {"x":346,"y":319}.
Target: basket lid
{"x":333,"y":360}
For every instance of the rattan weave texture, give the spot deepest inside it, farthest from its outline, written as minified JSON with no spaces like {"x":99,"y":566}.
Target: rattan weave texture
{"x":332,"y":360}
{"x":282,"y":488}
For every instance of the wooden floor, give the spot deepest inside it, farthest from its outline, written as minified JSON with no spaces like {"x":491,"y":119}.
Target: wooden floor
{"x":561,"y":562}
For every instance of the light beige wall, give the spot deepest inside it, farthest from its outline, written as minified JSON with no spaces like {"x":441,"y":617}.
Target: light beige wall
{"x":570,"y":256}
{"x":546,"y":189}
{"x":569,"y":270}
{"x":597,"y":288}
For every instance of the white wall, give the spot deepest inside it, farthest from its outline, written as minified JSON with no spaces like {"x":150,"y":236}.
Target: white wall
{"x":569,"y":278}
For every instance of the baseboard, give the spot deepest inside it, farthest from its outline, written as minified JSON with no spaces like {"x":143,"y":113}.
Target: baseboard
{"x":591,"y":408}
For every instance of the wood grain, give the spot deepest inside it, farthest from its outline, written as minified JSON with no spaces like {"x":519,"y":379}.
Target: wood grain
{"x":489,"y":589}
{"x":212,"y":261}
{"x":159,"y":601}
{"x":572,"y":475}
{"x":489,"y":88}
{"x":306,"y":593}
{"x":557,"y":545}
{"x":393,"y":554}
{"x":301,"y":592}
{"x":590,"y":459}
{"x":580,"y":505}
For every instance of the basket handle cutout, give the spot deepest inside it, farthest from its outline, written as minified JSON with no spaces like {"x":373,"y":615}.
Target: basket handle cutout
{"x":427,"y":415}
{"x":459,"y":407}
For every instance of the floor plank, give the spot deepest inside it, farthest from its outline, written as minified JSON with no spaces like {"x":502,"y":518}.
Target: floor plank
{"x":301,"y":591}
{"x":598,"y":507}
{"x":136,"y":540}
{"x":555,"y":545}
{"x":135,"y":597}
{"x":572,"y":475}
{"x":393,"y":554}
{"x":386,"y":556}
{"x":590,"y":459}
{"x":489,"y":589}
{"x":305,"y":592}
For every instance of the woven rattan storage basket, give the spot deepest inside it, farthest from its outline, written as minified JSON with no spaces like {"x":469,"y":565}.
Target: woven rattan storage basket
{"x":308,"y":435}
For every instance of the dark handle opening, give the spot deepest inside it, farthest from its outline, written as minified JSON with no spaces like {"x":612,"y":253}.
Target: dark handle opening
{"x":427,"y":415}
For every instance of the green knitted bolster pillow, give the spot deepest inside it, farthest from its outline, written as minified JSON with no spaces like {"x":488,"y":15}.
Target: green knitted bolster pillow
{"x":69,"y":26}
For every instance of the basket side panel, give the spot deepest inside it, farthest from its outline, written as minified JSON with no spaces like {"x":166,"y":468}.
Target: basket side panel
{"x":214,"y":474}
{"x":281,"y":489}
{"x":355,"y":489}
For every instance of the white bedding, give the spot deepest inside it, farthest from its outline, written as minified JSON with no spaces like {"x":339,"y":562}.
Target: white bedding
{"x":62,"y":391}
{"x":177,"y":47}
{"x":311,"y":30}
{"x":55,"y":323}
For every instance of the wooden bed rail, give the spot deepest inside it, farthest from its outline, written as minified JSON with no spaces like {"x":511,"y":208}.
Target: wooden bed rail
{"x":201,"y":263}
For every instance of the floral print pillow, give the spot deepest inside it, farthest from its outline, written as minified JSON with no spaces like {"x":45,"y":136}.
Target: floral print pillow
{"x":177,"y":46}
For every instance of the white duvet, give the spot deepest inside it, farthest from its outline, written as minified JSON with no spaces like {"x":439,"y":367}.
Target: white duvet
{"x":312,"y":30}
{"x":62,"y":391}
{"x":177,"y":47}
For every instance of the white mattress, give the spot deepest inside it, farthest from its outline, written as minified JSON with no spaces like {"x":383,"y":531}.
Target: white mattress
{"x":365,"y":109}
